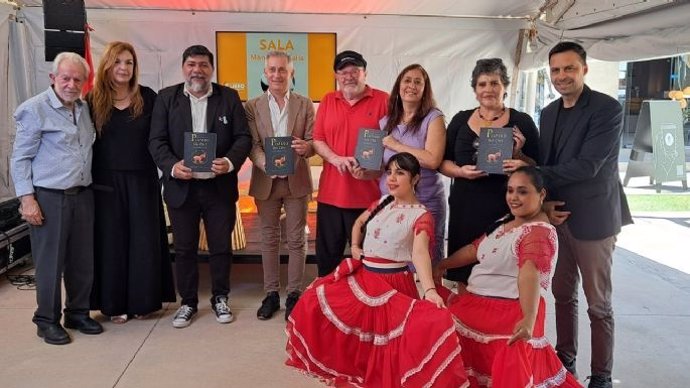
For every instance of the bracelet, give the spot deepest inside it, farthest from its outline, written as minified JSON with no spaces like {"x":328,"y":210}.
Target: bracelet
{"x":427,"y":290}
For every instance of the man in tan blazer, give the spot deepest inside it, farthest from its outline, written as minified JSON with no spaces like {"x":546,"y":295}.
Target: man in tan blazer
{"x":280,"y":112}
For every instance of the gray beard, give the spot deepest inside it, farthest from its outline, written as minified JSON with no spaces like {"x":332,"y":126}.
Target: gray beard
{"x":197,"y":87}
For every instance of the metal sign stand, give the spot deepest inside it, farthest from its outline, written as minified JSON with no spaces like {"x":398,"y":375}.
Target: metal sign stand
{"x":659,"y":132}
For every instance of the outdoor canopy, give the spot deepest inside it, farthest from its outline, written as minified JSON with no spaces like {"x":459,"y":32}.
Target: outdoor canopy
{"x":444,"y":36}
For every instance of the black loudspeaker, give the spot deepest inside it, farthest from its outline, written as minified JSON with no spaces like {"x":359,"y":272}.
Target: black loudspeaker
{"x":59,"y":41}
{"x":63,"y":21}
{"x":64,"y":15}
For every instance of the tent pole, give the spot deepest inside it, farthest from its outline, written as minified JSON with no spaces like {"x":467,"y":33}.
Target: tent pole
{"x":516,"y":69}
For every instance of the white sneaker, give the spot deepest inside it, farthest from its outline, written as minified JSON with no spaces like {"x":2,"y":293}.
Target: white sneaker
{"x":222,"y":310}
{"x":183,"y":316}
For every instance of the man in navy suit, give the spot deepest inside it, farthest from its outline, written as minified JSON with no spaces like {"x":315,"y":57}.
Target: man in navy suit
{"x":198,"y":105}
{"x":579,"y":144}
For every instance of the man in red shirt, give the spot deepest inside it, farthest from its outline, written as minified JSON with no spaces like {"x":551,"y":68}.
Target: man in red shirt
{"x":345,"y":190}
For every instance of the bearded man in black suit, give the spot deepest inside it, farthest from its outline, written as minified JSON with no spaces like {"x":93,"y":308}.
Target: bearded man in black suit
{"x":199,"y":105}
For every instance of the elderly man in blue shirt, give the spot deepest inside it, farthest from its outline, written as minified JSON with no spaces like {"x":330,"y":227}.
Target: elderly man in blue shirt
{"x":51,"y":169}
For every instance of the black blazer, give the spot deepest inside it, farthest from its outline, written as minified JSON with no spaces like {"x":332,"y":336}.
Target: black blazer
{"x":172,"y":117}
{"x":582,"y":168}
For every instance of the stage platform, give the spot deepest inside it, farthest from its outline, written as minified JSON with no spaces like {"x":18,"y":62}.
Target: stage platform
{"x":251,"y":254}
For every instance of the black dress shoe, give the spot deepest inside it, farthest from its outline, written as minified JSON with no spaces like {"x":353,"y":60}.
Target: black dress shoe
{"x":84,"y":324}
{"x":269,"y":306}
{"x":599,"y":382}
{"x":52,"y":333}
{"x":290,"y":303}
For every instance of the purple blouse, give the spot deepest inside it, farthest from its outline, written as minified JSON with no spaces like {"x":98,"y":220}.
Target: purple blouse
{"x":430,"y":187}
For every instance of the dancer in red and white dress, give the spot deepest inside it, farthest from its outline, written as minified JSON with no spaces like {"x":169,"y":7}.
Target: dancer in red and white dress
{"x":501,"y":312}
{"x":364,"y":325}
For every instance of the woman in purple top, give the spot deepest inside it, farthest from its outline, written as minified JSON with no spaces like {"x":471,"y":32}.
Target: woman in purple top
{"x":415,"y":125}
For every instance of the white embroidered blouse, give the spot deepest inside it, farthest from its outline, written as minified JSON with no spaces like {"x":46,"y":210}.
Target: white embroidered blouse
{"x":502,"y":253}
{"x":391,"y":232}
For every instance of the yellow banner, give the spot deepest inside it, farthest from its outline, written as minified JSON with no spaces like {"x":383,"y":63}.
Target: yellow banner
{"x":241,"y":58}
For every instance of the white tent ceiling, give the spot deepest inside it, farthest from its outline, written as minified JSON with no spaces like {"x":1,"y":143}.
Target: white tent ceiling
{"x":574,"y":13}
{"x":519,"y":8}
{"x":609,"y":29}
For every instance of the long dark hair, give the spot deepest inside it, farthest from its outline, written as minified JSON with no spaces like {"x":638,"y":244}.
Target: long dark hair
{"x":406,"y":162}
{"x":395,"y":108}
{"x":536,"y":179}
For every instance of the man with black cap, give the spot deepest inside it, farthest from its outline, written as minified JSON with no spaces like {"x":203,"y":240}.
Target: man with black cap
{"x":345,"y":190}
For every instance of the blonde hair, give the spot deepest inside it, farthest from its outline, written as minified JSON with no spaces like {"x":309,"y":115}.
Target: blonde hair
{"x":101,"y":97}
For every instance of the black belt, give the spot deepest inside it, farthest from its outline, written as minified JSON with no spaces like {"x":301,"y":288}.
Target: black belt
{"x":71,"y":191}
{"x":385,"y":270}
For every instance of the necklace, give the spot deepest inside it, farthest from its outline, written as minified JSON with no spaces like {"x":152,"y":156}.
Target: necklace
{"x":487,"y":121}
{"x":128,"y":95}
{"x":406,"y":121}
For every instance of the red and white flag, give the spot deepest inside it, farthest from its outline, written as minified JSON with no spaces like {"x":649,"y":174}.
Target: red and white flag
{"x":87,"y":55}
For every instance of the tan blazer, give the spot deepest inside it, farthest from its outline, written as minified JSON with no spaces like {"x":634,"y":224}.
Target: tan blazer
{"x":300,"y":125}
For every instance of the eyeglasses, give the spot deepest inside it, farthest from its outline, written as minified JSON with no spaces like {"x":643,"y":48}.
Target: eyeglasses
{"x":349,"y":73}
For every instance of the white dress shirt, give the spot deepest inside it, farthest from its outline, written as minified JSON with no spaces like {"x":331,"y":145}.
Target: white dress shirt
{"x":199,"y":107}
{"x":279,"y":117}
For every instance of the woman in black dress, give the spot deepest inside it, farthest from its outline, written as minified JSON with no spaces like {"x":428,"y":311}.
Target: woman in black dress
{"x":477,"y":199}
{"x":133,"y":273}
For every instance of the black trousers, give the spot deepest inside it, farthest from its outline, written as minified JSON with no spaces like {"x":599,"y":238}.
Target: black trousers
{"x":63,"y":246}
{"x":333,"y":230}
{"x":218,"y":213}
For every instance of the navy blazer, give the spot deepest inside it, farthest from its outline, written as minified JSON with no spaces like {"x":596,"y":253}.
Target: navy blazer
{"x":172,"y":117}
{"x":582,"y":168}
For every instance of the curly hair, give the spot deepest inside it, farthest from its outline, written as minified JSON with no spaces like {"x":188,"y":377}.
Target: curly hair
{"x":490,"y":66}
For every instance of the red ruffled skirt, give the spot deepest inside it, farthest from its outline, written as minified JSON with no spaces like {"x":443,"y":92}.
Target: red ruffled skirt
{"x":485,"y":324}
{"x":358,"y":328}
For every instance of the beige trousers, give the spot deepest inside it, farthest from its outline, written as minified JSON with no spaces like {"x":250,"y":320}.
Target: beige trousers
{"x":295,"y":223}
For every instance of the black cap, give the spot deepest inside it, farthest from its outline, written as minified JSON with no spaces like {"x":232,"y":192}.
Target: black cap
{"x":349,"y":57}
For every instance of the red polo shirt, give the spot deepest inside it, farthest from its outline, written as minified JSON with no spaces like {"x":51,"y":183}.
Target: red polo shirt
{"x":337,"y":124}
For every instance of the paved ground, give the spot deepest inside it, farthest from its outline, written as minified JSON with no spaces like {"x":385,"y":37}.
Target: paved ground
{"x":651,"y":303}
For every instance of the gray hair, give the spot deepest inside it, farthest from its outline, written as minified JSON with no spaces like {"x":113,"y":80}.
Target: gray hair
{"x":73,"y":58}
{"x":490,"y":66}
{"x":280,"y":54}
